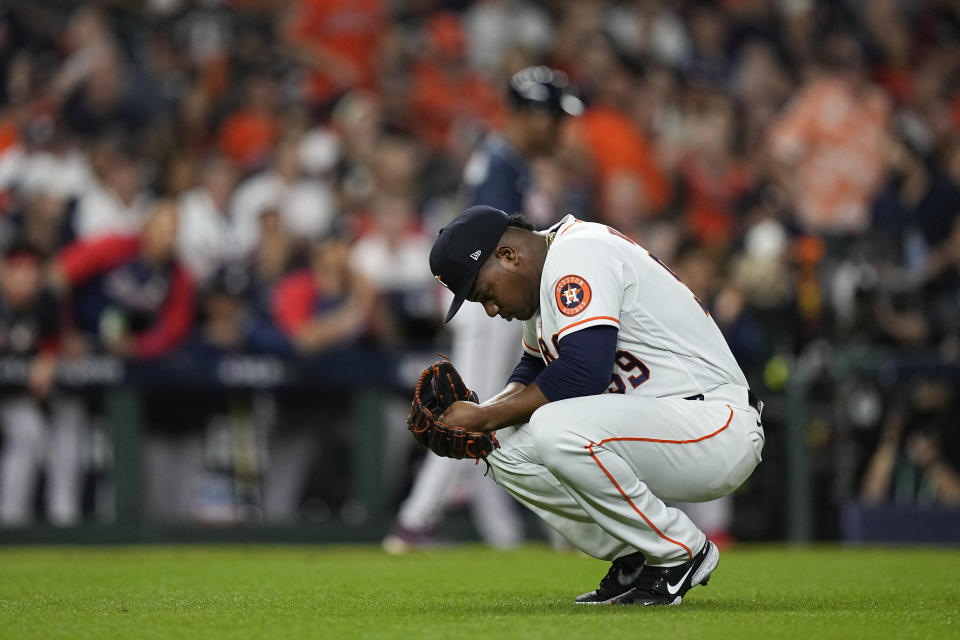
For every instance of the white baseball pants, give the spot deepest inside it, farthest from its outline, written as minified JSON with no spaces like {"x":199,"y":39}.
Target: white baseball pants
{"x":598,"y":469}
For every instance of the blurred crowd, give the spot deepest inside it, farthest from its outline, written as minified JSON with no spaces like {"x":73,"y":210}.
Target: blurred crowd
{"x":267,"y":176}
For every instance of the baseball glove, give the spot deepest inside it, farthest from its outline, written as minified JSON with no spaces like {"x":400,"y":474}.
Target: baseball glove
{"x":439,"y":386}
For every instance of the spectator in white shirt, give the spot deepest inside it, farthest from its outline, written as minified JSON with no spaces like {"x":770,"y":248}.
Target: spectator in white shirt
{"x":118,"y":203}
{"x":391,"y":255}
{"x":306,"y":205}
{"x":208,"y":238}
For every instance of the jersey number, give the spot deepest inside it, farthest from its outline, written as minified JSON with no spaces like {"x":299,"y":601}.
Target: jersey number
{"x":547,"y":355}
{"x":627,"y":362}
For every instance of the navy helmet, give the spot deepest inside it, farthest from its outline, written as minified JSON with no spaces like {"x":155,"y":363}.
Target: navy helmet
{"x":543,"y":89}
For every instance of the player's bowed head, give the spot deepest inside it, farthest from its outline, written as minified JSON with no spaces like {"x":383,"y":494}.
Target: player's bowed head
{"x":488,"y":257}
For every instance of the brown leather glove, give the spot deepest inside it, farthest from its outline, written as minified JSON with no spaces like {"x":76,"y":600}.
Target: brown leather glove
{"x":439,"y":386}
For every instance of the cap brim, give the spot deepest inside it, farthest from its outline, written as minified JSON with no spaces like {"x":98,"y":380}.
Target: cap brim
{"x":459,"y":297}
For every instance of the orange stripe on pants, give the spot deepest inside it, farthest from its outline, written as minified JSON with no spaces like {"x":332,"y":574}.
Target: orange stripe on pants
{"x":590,"y":447}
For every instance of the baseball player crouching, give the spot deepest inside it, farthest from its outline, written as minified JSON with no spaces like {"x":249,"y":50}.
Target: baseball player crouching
{"x":626,"y":396}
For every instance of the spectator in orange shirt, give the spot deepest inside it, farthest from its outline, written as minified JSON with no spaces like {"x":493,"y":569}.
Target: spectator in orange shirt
{"x":248,"y":135}
{"x":611,"y":142}
{"x":9,"y":136}
{"x":830,"y":142}
{"x":339,"y":41}
{"x":714,"y":176}
{"x":450,"y":100}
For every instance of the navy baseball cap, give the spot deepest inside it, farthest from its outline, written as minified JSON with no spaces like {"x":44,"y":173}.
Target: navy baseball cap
{"x":462,"y":247}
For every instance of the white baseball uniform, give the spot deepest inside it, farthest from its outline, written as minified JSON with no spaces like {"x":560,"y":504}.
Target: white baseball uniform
{"x":675,"y":424}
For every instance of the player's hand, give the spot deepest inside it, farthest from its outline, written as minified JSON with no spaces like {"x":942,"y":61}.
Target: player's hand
{"x":468,"y":415}
{"x":42,"y":372}
{"x":123,"y":346}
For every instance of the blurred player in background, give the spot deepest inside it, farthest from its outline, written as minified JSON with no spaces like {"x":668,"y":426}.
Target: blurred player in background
{"x":43,"y":428}
{"x":500,"y":175}
{"x":132,"y":297}
{"x":323,"y":307}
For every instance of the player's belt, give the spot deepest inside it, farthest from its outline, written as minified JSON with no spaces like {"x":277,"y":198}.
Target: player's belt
{"x":755,"y":403}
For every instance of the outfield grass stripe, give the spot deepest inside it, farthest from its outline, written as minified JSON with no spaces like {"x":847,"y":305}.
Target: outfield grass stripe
{"x":358,"y":592}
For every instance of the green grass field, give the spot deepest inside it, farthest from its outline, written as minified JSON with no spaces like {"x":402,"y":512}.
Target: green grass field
{"x":470,"y":592}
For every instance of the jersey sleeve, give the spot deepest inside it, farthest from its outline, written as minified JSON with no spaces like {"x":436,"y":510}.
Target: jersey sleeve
{"x":585,"y":280}
{"x":85,"y":259}
{"x":583,"y":368}
{"x":293,"y":302}
{"x":527,"y":369}
{"x":175,"y":319}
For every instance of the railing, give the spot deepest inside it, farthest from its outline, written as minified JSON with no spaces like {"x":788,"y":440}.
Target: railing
{"x":360,"y":375}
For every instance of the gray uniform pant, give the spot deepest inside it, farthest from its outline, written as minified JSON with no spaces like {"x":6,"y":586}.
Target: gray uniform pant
{"x":52,"y":439}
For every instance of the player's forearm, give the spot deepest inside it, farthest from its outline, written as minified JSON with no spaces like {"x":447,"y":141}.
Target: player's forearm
{"x":325,"y":331}
{"x":511,"y":409}
{"x":947,"y":483}
{"x":512,"y":389}
{"x":876,"y":480}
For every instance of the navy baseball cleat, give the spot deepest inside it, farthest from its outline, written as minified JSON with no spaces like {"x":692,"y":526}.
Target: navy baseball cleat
{"x":668,"y":585}
{"x":620,"y":578}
